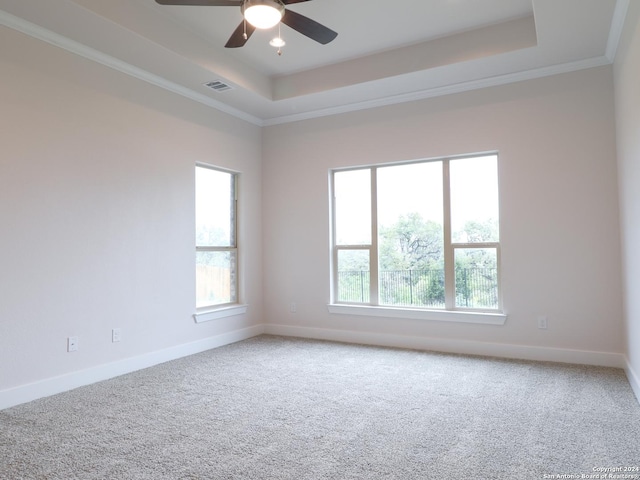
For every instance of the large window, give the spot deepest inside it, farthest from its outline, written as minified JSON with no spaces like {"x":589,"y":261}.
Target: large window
{"x":216,"y":239}
{"x":421,"y":234}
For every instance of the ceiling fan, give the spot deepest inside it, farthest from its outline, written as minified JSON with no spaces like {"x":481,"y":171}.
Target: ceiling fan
{"x":264,"y":14}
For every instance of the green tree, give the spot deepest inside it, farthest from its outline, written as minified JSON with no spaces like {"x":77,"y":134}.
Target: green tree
{"x":411,"y":262}
{"x":477,"y":232}
{"x":411,"y":243}
{"x":476,"y":268}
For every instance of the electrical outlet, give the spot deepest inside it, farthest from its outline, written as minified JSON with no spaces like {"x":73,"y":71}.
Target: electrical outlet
{"x":293,"y":308}
{"x":72,"y":344}
{"x":542,"y":322}
{"x":116,"y":335}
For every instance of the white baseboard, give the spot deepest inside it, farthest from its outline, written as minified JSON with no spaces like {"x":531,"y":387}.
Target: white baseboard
{"x":524,"y":352}
{"x":634,"y":379}
{"x":51,"y":386}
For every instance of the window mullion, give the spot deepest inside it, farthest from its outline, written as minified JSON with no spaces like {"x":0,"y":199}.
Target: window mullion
{"x":373,"y":252}
{"x":334,"y":259}
{"x":234,"y":210}
{"x":449,"y":269}
{"x":476,"y":245}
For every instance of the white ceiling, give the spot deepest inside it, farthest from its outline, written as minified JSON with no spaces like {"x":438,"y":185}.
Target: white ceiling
{"x":386,"y":52}
{"x":376,"y":30}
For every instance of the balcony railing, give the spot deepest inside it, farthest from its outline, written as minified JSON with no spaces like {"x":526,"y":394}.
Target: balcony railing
{"x":475,"y":287}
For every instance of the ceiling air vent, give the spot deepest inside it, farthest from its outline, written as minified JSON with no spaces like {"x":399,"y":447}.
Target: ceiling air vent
{"x":218,"y":86}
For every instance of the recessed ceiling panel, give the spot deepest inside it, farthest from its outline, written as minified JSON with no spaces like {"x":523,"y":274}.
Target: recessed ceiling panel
{"x":364,"y":27}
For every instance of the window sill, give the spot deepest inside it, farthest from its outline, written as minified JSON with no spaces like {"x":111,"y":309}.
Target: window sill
{"x":212,"y":313}
{"x":486,"y":318}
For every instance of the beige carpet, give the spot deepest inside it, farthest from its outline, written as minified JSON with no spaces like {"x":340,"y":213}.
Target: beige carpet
{"x":281,"y":408}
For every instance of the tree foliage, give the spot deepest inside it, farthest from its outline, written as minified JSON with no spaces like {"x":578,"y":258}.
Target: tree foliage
{"x":478,"y":232}
{"x":411,"y":265}
{"x":411,"y":243}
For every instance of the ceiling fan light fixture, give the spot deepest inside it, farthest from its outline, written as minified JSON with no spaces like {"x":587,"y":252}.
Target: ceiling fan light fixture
{"x":263,"y":13}
{"x":277,"y":42}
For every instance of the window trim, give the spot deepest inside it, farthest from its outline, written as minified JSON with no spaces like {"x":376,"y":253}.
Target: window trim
{"x":220,"y":310}
{"x":450,"y":312}
{"x":206,"y":314}
{"x":416,"y":313}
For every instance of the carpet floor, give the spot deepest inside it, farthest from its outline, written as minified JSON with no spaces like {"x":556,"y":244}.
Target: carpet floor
{"x":284,"y":408}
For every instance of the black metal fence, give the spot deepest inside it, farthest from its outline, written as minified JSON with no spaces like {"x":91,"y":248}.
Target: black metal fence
{"x":475,"y":287}
{"x":353,"y":286}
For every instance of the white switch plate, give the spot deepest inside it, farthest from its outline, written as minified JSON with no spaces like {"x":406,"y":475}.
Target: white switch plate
{"x":72,"y":344}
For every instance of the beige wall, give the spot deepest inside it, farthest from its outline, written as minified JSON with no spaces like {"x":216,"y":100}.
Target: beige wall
{"x":627,"y":75}
{"x":97,"y":211}
{"x":559,"y":211}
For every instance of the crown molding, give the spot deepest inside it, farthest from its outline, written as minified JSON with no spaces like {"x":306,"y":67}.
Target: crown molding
{"x":617,"y":25}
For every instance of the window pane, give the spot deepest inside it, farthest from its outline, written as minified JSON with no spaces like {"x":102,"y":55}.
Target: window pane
{"x":353,"y":276}
{"x":352,"y":192}
{"x":476,"y":271}
{"x":411,"y":235}
{"x":215,"y":278}
{"x":215,"y":208}
{"x":474,"y":199}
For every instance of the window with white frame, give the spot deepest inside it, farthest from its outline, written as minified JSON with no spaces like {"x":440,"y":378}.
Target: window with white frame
{"x":216,"y":237}
{"x":421,"y":234}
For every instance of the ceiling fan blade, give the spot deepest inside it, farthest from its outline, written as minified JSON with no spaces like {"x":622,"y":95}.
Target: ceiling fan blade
{"x":308,"y":27}
{"x":202,"y":3}
{"x":237,"y":37}
{"x":289,"y":2}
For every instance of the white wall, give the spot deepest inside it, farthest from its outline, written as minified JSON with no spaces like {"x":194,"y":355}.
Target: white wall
{"x":559,"y":212}
{"x":627,"y":73}
{"x":97,"y":213}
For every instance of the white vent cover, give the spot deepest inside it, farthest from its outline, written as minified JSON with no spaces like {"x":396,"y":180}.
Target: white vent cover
{"x":218,"y":86}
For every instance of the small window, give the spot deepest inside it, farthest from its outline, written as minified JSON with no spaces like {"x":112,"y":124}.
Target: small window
{"x":422,"y":235}
{"x":216,"y":237}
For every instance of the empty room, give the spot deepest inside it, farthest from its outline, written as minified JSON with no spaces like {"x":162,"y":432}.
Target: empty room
{"x":319,"y":239}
